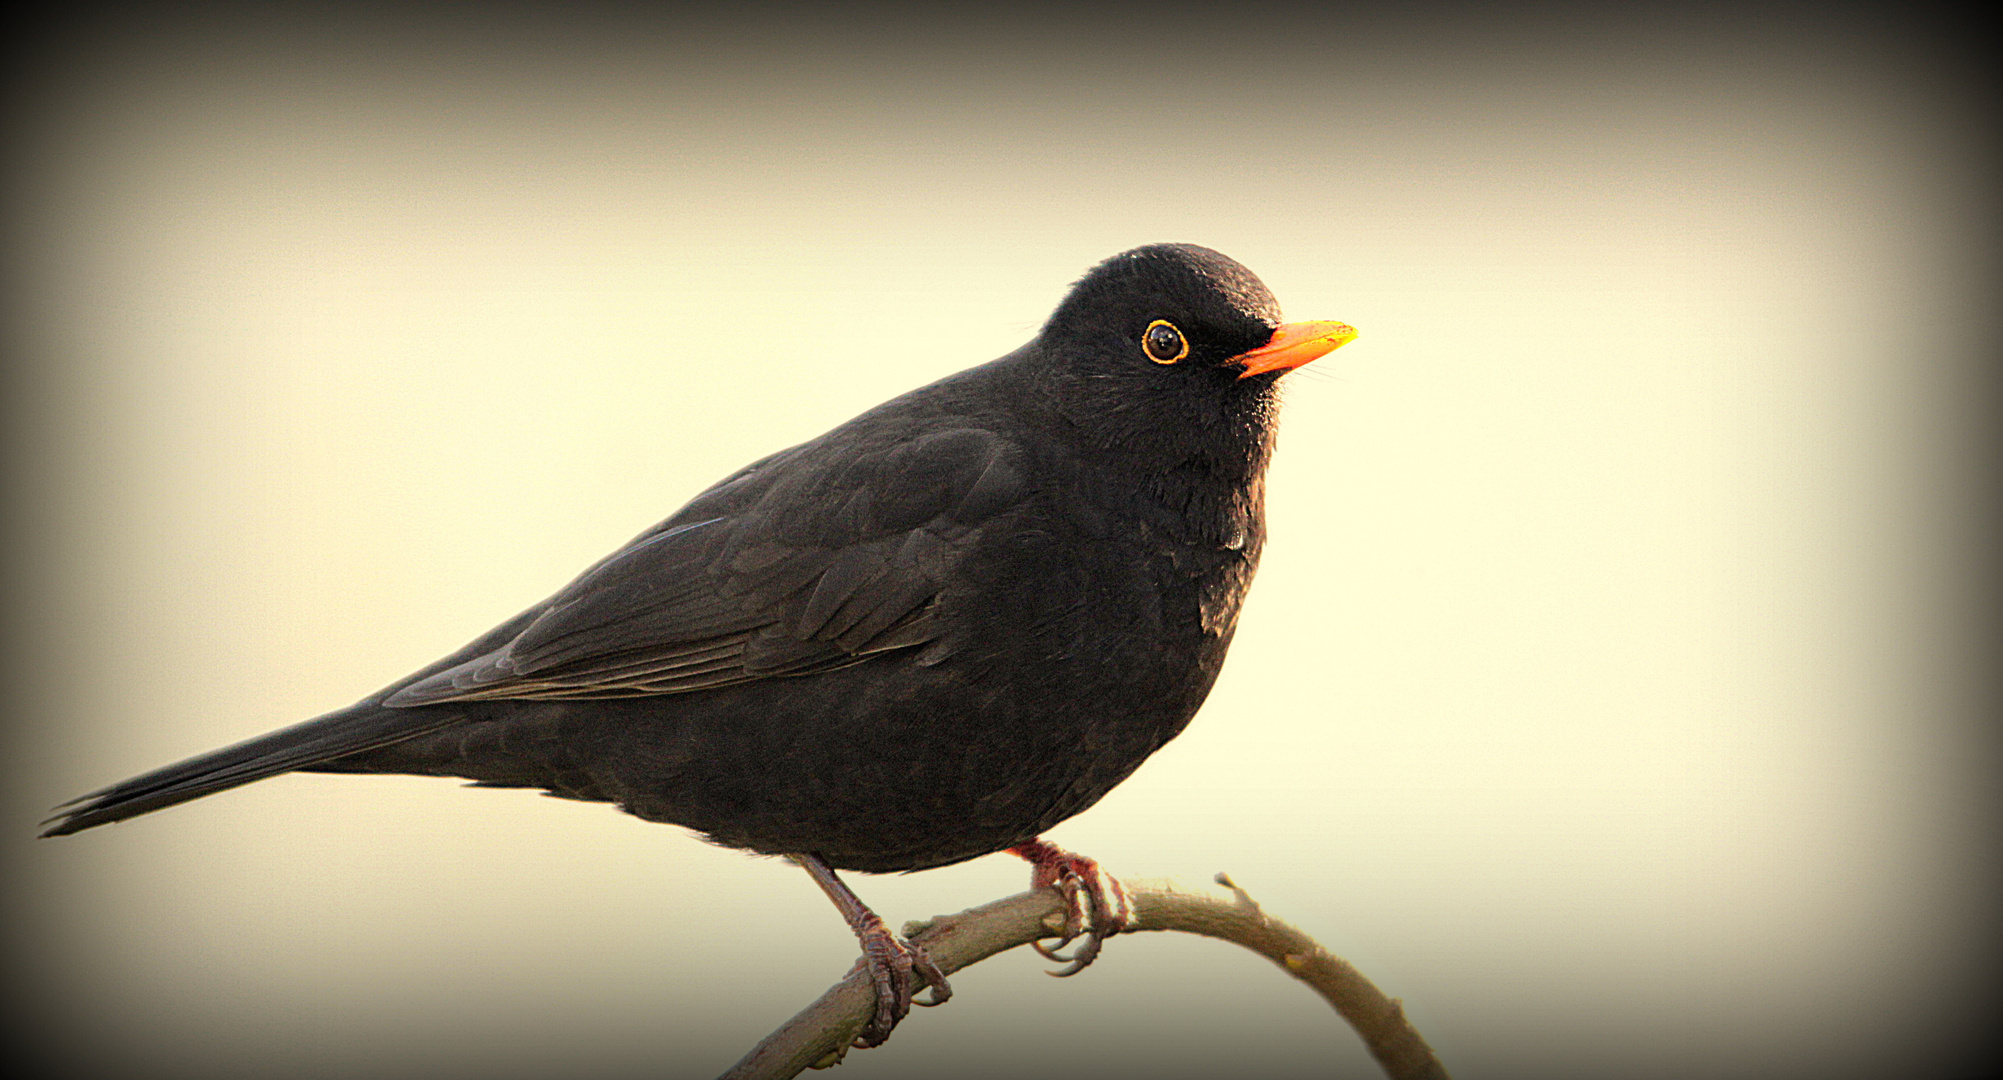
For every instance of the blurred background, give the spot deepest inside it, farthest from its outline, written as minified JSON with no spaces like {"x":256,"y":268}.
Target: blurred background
{"x":1612,"y":691}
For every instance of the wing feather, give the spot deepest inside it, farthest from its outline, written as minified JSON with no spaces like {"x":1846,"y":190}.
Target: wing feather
{"x":814,"y":558}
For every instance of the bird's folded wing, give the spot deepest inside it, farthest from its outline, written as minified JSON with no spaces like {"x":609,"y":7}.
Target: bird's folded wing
{"x":811,"y":559}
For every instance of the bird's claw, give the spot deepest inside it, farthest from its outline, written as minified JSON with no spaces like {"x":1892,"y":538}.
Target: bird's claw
{"x":898,"y":970}
{"x":934,"y":979}
{"x":1096,"y":905}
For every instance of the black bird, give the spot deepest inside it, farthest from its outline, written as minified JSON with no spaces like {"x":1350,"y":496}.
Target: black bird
{"x":928,"y":635}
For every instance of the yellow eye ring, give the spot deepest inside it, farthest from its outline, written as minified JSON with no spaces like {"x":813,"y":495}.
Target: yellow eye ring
{"x":1163,"y":343}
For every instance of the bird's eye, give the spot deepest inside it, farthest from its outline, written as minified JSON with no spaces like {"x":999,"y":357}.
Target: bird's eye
{"x":1163,"y":343}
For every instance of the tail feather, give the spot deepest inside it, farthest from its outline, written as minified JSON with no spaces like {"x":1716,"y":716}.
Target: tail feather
{"x":338,"y":734}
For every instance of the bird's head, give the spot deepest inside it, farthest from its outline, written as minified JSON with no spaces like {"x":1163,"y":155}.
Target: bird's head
{"x":1173,"y":341}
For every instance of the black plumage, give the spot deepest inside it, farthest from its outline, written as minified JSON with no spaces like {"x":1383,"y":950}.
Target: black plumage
{"x":928,"y":635}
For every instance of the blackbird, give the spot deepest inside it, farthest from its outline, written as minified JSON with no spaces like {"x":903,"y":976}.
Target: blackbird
{"x":928,"y":635}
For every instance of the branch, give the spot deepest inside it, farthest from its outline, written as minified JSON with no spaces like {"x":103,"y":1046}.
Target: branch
{"x":821,"y":1033}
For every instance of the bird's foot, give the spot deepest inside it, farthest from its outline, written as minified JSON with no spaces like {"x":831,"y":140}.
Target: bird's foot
{"x":1096,"y":905}
{"x":897,"y":968}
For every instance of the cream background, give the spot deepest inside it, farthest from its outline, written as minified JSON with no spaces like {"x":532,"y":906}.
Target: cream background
{"x":1605,"y":693}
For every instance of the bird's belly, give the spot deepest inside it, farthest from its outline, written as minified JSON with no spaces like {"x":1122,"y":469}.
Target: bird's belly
{"x":890,"y":765}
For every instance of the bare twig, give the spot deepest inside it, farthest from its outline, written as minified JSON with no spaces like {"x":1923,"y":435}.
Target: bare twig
{"x":822,"y":1032}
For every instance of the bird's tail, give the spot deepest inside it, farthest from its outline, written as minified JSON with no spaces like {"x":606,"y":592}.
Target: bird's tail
{"x":337,"y":734}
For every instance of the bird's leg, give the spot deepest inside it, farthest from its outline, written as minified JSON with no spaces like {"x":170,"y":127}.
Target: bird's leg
{"x":1096,"y":904}
{"x":894,"y":964}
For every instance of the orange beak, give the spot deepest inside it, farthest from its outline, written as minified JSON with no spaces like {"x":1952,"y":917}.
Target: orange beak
{"x":1294,"y":344}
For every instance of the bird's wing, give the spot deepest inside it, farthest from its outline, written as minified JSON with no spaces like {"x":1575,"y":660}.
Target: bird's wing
{"x":811,"y":559}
